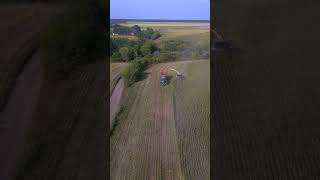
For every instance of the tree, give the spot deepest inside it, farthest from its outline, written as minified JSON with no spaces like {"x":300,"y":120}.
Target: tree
{"x":172,"y":45}
{"x":148,"y":48}
{"x":121,"y":30}
{"x":135,"y":29}
{"x":155,"y":35}
{"x":116,"y":57}
{"x":124,"y":53}
{"x":131,"y":54}
{"x":133,"y":71}
{"x":75,"y":36}
{"x":148,"y":33}
{"x":165,"y":57}
{"x":137,"y":50}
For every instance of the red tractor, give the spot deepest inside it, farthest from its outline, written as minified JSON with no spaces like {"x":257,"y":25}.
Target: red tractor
{"x":163,"y":77}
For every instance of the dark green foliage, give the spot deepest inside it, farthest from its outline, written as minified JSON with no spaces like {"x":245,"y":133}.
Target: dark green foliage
{"x":74,"y":37}
{"x":116,"y":57}
{"x":124,"y":52}
{"x":133,"y":71}
{"x":135,"y":29}
{"x":165,"y":57}
{"x":118,"y":43}
{"x":127,"y":54}
{"x":121,"y":30}
{"x":155,"y":35}
{"x":173,"y":45}
{"x":149,"y":58}
{"x":149,"y":34}
{"x":131,"y":54}
{"x":148,"y":48}
{"x":200,"y":51}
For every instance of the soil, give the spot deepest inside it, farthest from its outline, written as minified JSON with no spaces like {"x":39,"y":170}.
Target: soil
{"x":115,"y":100}
{"x":18,"y":115}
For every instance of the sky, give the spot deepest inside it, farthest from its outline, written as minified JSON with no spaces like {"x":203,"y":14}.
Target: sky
{"x":160,"y":9}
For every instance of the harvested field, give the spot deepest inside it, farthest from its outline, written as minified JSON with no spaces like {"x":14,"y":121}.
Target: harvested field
{"x":266,"y":101}
{"x":17,"y":118}
{"x":163,"y":132}
{"x":182,"y":33}
{"x":67,"y":138}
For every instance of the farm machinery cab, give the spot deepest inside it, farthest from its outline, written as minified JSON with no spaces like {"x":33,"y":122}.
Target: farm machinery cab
{"x":164,"y":76}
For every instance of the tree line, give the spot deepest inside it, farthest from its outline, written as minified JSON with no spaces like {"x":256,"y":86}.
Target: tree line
{"x":135,"y":30}
{"x":142,"y":53}
{"x":74,"y":37}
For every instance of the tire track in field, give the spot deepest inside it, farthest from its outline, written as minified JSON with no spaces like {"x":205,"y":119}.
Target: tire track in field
{"x":171,"y":168}
{"x":146,"y":144}
{"x":124,"y":140}
{"x":191,"y":121}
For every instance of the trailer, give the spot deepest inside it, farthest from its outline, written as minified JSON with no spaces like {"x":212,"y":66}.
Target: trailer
{"x":164,"y":77}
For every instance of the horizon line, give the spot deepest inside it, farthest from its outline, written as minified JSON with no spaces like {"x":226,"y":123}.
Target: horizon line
{"x":161,"y":19}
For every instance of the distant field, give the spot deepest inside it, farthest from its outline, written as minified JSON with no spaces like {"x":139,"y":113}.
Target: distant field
{"x":124,"y":36}
{"x":174,"y":30}
{"x":184,"y":34}
{"x":165,"y":24}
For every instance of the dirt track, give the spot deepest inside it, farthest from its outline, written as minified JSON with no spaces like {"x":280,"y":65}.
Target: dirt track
{"x":115,"y":100}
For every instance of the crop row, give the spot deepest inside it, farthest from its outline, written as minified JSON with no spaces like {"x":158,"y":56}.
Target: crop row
{"x":192,"y":118}
{"x":61,"y":118}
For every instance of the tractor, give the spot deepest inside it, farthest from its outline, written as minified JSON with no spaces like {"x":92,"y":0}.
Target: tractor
{"x":163,"y":77}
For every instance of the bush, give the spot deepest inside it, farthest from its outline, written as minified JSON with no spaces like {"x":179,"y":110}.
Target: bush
{"x":155,"y":35}
{"x":116,"y":57}
{"x":121,"y":30}
{"x":165,"y":57}
{"x":148,"y":48}
{"x":74,"y":37}
{"x":124,"y":52}
{"x":132,"y":54}
{"x":118,"y":43}
{"x":148,"y":34}
{"x":149,"y":58}
{"x":133,"y":71}
{"x":172,"y":45}
{"x":200,"y":51}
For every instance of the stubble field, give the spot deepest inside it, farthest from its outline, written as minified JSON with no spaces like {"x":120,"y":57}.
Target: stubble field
{"x":163,"y":132}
